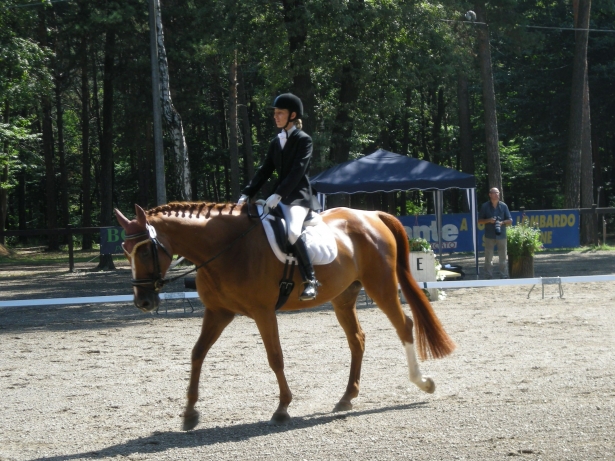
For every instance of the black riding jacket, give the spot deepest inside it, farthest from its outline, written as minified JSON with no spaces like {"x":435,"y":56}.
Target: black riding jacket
{"x":292,"y":165}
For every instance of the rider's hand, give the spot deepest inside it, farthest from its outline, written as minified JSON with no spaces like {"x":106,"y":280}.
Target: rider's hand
{"x":243,"y":199}
{"x":273,"y":201}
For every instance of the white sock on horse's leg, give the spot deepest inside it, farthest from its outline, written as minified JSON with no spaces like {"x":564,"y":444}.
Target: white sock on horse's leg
{"x":424,"y":383}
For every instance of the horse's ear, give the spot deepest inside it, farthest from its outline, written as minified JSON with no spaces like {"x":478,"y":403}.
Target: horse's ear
{"x":141,"y":218}
{"x":123,"y":220}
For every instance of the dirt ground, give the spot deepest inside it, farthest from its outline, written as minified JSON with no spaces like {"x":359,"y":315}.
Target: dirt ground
{"x":532,"y":378}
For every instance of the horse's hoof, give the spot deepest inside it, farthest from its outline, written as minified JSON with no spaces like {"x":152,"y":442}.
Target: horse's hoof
{"x":343,"y":406}
{"x":279,"y":418}
{"x":191,"y":419}
{"x":428,"y":386}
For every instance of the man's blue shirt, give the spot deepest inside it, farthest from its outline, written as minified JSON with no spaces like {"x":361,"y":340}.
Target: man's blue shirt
{"x":488,"y":211}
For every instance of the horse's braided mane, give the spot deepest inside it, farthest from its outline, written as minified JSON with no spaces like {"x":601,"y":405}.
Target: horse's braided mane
{"x":196,"y":209}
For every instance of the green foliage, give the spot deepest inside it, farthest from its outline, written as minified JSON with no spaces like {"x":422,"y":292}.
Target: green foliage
{"x":401,"y":58}
{"x":523,"y":240}
{"x":419,"y":244}
{"x":413,"y":208}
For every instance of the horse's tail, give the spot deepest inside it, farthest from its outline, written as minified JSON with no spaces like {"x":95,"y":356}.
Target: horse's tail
{"x":431,"y":339}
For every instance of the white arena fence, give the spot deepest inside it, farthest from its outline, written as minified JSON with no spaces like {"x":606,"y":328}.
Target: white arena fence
{"x":441,"y":285}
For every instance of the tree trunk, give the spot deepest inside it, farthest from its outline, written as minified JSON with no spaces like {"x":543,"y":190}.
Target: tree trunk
{"x":494,"y":172}
{"x":50,"y":184}
{"x":245,"y":124}
{"x":296,"y":20}
{"x":106,"y":154}
{"x":86,"y":163}
{"x":232,"y":117}
{"x":588,"y":221}
{"x":172,"y":117}
{"x":21,"y":204}
{"x":62,"y":154}
{"x":158,"y":144}
{"x":4,"y":177}
{"x":221,"y":117}
{"x":344,"y":121}
{"x":437,"y":122}
{"x":597,"y":141}
{"x":342,"y":127}
{"x":572,"y":187}
{"x":227,"y":181}
{"x":405,"y":145}
{"x":423,"y":129}
{"x":47,"y":129}
{"x":144,"y":166}
{"x":465,"y":125}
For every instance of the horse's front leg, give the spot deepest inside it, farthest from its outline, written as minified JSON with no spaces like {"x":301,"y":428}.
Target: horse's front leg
{"x":346,"y":312}
{"x":267,"y":324}
{"x":214,"y":322}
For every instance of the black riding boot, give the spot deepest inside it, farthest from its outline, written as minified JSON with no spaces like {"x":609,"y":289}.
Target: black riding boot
{"x":310,"y":284}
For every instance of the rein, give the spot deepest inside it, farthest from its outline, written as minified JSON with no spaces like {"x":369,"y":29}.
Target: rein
{"x":156,"y":284}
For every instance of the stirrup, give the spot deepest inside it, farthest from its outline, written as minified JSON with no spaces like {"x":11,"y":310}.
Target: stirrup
{"x":310,"y":290}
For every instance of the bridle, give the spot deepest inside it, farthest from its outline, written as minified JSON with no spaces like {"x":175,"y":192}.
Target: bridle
{"x":156,"y":283}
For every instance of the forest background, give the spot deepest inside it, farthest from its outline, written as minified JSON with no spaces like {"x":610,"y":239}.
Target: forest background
{"x":412,"y":77}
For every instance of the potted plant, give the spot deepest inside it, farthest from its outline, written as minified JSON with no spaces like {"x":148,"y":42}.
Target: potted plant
{"x":522,"y":242}
{"x":419,"y":244}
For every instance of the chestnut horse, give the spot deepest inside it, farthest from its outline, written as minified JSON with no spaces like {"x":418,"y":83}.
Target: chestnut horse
{"x":238,"y":273}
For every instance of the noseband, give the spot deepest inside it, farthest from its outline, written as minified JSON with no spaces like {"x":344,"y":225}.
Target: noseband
{"x":155,"y":283}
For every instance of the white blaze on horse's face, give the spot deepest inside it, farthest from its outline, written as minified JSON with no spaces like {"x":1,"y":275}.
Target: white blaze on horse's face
{"x":144,"y":300}
{"x":133,"y":269}
{"x":131,"y":258}
{"x":425,"y":383}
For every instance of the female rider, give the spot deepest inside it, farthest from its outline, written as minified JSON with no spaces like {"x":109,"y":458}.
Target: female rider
{"x":289,"y":155}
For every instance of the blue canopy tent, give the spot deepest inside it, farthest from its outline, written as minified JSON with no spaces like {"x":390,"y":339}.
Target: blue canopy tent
{"x":385,"y":171}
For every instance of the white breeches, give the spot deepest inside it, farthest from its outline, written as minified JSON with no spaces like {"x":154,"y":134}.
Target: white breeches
{"x":294,"y":216}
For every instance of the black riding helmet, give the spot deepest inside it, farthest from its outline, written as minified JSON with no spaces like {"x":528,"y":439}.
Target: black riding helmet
{"x":289,"y":102}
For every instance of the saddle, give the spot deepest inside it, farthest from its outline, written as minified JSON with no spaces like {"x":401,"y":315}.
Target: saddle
{"x":319,"y":242}
{"x":318,"y":236}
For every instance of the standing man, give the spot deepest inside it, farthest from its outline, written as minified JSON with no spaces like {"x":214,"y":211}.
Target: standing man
{"x":495,"y":216}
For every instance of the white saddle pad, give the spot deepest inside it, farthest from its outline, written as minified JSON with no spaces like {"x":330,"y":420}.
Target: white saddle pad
{"x":319,"y":240}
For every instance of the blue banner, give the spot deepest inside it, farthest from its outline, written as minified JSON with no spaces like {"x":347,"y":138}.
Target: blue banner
{"x":111,"y":239}
{"x":559,"y":229}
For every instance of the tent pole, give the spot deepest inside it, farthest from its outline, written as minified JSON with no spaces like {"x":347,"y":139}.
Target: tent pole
{"x":438,"y":205}
{"x":440,"y":210}
{"x":472,"y":193}
{"x":322,"y":199}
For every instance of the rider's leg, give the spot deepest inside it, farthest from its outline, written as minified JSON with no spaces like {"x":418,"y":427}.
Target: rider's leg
{"x":295,"y":216}
{"x":307,"y":271}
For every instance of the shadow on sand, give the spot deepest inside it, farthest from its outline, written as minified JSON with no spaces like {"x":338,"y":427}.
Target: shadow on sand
{"x":159,"y":442}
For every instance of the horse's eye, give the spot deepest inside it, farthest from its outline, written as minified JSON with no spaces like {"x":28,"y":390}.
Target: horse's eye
{"x":145,"y":256}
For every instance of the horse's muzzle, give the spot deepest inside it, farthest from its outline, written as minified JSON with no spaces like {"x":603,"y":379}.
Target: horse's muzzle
{"x":147,"y":301}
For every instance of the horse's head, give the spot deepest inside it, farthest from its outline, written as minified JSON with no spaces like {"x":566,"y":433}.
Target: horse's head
{"x":149,"y":259}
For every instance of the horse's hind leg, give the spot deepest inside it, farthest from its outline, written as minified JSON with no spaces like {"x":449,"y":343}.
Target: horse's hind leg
{"x":384,"y":294}
{"x":346,"y":311}
{"x":214,"y":322}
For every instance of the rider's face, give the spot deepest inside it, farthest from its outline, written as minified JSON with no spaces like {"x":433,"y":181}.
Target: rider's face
{"x":281,"y":117}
